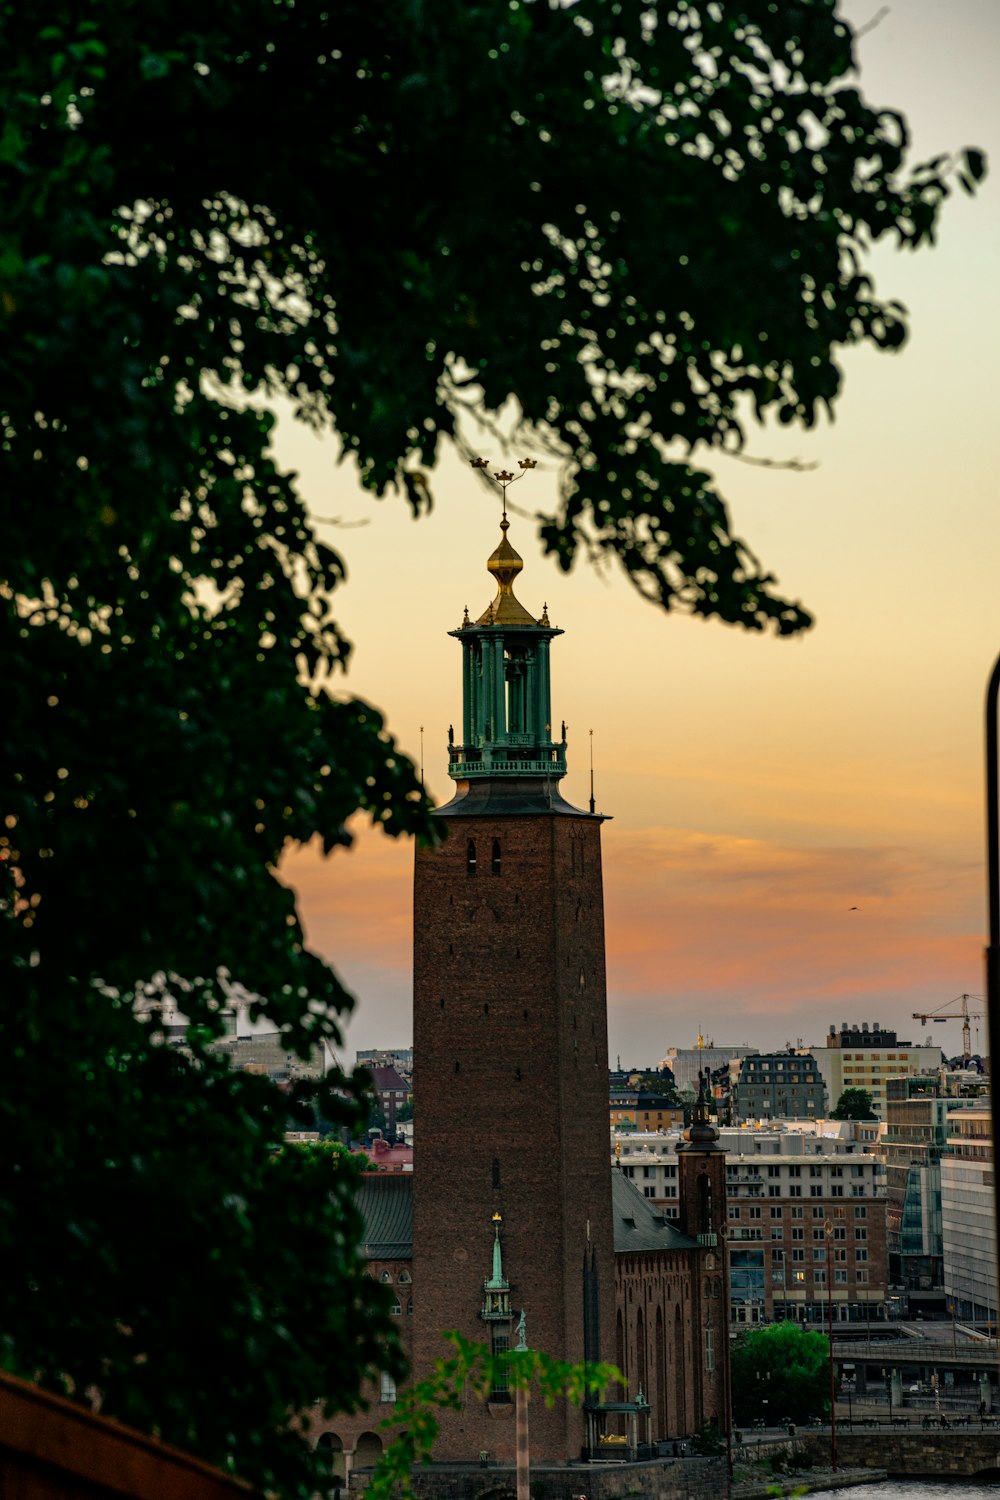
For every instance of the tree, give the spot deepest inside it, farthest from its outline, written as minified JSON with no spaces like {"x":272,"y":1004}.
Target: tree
{"x":854,"y":1104}
{"x":779,"y":1374}
{"x":202,"y":208}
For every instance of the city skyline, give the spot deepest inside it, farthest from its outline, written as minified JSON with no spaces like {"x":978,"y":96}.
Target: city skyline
{"x":797,"y":830}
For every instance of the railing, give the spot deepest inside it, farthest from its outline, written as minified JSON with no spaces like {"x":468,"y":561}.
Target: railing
{"x":553,"y":767}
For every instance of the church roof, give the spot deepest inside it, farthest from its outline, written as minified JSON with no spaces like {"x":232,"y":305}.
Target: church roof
{"x":386,"y":1204}
{"x":385,"y":1201}
{"x":638,"y":1225}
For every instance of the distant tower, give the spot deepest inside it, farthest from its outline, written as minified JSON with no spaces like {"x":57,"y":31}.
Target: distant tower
{"x":701,"y":1174}
{"x":511,"y":1189}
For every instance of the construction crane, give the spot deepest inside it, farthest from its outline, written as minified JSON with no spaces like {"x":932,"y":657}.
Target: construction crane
{"x":962,"y":1013}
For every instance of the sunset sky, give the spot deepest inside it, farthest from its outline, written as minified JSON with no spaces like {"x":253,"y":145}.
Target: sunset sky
{"x":760,"y":789}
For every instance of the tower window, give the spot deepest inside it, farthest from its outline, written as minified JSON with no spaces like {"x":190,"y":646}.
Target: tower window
{"x":500,"y":1340}
{"x":496,"y":856}
{"x":470,"y":857}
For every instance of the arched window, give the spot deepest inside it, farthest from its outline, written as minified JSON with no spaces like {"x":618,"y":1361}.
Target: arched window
{"x":496,"y":856}
{"x":470,"y":857}
{"x":405,"y":1278}
{"x":385,"y":1277}
{"x":395,"y":1310}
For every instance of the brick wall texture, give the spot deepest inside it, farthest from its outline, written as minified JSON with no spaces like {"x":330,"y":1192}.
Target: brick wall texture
{"x":511,"y":1070}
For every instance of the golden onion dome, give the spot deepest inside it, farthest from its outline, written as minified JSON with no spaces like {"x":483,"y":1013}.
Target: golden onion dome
{"x":505,"y":564}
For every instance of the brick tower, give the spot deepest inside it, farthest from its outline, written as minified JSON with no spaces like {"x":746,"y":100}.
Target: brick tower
{"x":511,"y":1189}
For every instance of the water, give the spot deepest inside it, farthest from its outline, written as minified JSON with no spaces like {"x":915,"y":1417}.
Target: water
{"x":914,"y":1489}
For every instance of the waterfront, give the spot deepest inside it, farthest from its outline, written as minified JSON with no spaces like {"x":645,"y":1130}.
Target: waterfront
{"x":916,"y":1489}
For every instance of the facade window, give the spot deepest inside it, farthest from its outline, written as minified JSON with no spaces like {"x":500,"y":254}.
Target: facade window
{"x":860,"y":1255}
{"x":733,"y":1213}
{"x":775,"y":1213}
{"x":776,"y":1232}
{"x":755,"y":1213}
{"x":816,"y":1191}
{"x":798,"y":1254}
{"x":840,"y":1233}
{"x":496,"y":857}
{"x":798,"y":1234}
{"x":840,"y":1254}
{"x":501,"y":1381}
{"x":774,"y":1171}
{"x":470,"y":857}
{"x":795,"y":1171}
{"x":795,"y":1191}
{"x":649,"y":1192}
{"x":861,"y":1213}
{"x":709,"y":1350}
{"x":819,"y":1256}
{"x":815,"y":1171}
{"x":818,"y":1213}
{"x":798,"y":1276}
{"x":819,"y":1277}
{"x":862,"y":1276}
{"x":395,"y":1310}
{"x":840,"y":1277}
{"x":819,"y":1234}
{"x":836,"y":1192}
{"x":385,"y":1277}
{"x":861,"y":1234}
{"x":387,"y":1387}
{"x":797,"y":1213}
{"x":774,"y":1192}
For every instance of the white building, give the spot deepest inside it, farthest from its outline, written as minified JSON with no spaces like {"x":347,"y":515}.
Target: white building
{"x":862,"y":1058}
{"x":968,"y":1228}
{"x":687,"y":1062}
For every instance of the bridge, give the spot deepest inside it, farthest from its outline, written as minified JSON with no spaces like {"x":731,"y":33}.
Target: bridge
{"x":966,"y":1452}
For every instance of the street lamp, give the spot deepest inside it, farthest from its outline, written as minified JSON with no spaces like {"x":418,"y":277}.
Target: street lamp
{"x":888,"y":1381}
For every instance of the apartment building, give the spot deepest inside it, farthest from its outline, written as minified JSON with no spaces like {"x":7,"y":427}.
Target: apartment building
{"x":778,"y":1086}
{"x":865,"y":1058}
{"x":806,"y":1218}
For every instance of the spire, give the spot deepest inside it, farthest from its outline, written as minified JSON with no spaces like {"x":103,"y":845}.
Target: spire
{"x":701,"y":1134}
{"x":505,"y":564}
{"x":506,"y":734}
{"x":496,"y":1289}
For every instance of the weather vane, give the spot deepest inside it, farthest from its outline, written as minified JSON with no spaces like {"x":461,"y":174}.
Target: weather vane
{"x":505,"y":477}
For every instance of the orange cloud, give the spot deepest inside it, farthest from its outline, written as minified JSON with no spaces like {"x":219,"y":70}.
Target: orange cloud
{"x":730,"y":933}
{"x":747,"y":939}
